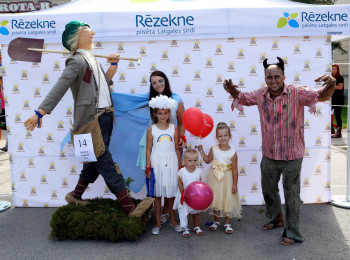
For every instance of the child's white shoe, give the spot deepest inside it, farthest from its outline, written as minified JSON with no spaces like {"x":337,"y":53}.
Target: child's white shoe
{"x":228,"y":229}
{"x":198,"y":230}
{"x":177,"y":228}
{"x":155,"y":230}
{"x":214,"y":226}
{"x":186,"y":232}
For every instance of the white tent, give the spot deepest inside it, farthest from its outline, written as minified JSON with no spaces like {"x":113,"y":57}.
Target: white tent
{"x":133,"y":20}
{"x":197,"y":44}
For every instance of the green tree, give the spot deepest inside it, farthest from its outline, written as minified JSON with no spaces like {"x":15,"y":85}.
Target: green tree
{"x":315,"y":2}
{"x":336,"y":45}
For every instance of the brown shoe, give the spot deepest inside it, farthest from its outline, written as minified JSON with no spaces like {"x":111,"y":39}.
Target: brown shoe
{"x":276,"y":222}
{"x":286,"y":241}
{"x":70,"y":199}
{"x":142,"y":207}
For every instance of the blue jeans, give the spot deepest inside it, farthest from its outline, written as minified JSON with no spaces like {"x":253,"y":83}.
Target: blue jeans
{"x":105,"y":164}
{"x":271,"y":171}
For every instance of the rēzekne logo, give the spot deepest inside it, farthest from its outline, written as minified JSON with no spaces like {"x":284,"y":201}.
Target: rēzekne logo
{"x":288,"y":19}
{"x":22,"y":27}
{"x":313,"y":19}
{"x":3,"y":29}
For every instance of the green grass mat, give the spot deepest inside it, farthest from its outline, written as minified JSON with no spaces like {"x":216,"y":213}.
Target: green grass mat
{"x":102,"y":219}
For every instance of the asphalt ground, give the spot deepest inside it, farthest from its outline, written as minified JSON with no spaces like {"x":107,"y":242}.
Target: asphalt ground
{"x":24,"y":232}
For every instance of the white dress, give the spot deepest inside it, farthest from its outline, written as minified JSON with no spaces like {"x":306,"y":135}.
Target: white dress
{"x":225,"y":204}
{"x":141,"y":159}
{"x":164,"y":161}
{"x":187,"y":178}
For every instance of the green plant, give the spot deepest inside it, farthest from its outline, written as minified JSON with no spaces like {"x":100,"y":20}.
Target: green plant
{"x":128,"y":181}
{"x":102,"y":219}
{"x":344,"y":116}
{"x":337,"y":45}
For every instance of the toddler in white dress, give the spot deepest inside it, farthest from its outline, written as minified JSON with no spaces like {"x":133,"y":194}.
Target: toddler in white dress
{"x":188,"y":174}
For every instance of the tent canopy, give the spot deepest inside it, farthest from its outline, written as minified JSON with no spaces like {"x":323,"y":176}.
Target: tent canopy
{"x":93,"y":6}
{"x":163,"y":5}
{"x":139,"y":20}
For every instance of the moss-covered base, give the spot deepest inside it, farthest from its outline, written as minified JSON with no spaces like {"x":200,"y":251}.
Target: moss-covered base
{"x":101,"y":219}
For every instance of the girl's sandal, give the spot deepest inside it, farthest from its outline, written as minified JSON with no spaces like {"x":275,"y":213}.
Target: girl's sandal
{"x":198,"y":230}
{"x":150,"y":212}
{"x":214,"y":226}
{"x":228,"y":229}
{"x":164,"y":218}
{"x":186,"y":233}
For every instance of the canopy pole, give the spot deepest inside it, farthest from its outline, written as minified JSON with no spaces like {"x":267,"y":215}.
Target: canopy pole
{"x":341,"y":200}
{"x":348,"y":130}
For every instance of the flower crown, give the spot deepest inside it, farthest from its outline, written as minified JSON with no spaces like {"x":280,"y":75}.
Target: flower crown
{"x":162,"y":102}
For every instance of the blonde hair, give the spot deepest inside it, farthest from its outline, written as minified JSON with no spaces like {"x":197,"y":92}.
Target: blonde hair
{"x":223,"y":125}
{"x":190,"y":152}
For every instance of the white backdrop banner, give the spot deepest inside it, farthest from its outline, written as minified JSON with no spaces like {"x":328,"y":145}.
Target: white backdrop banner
{"x":43,"y":171}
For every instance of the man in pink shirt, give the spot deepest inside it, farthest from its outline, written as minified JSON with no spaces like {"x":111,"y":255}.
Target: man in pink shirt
{"x":281,"y":109}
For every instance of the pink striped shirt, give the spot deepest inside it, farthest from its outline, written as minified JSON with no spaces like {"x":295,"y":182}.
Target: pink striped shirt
{"x":282,"y":119}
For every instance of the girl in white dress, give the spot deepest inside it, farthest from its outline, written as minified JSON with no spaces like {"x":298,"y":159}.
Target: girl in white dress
{"x":223,"y":179}
{"x":188,"y":174}
{"x":163,"y":155}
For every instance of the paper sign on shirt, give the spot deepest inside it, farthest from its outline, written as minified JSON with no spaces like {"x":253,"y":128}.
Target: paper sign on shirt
{"x":83,"y":148}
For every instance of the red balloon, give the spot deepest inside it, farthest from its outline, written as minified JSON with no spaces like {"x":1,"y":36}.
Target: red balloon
{"x":208,"y":125}
{"x":193,"y":121}
{"x":198,"y":195}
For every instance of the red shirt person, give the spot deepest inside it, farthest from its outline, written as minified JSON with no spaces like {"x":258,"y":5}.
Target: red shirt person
{"x":281,"y":109}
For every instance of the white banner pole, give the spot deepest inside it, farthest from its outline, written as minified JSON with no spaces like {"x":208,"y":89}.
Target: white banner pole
{"x":348,"y":130}
{"x":340,"y":201}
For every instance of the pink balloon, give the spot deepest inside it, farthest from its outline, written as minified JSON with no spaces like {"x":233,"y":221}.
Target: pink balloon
{"x":208,"y":125}
{"x":198,"y":195}
{"x":193,"y":121}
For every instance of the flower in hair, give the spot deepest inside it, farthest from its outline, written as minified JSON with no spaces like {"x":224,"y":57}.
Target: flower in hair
{"x":162,"y":102}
